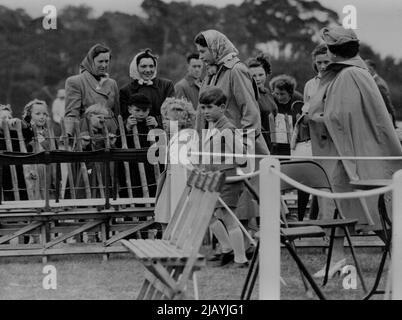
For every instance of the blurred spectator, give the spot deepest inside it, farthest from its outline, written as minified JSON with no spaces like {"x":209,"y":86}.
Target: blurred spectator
{"x":260,"y":68}
{"x":189,"y":86}
{"x":383,"y":87}
{"x":59,"y":106}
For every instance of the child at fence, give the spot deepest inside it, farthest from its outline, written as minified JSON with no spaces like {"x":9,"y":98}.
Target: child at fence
{"x":137,"y":127}
{"x":7,"y":180}
{"x":93,"y":137}
{"x":221,"y":135}
{"x":34,"y":118}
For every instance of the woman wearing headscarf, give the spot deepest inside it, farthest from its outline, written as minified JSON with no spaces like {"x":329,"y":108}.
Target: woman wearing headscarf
{"x":348,"y":117}
{"x":233,"y":78}
{"x":144,"y":80}
{"x":91,"y":86}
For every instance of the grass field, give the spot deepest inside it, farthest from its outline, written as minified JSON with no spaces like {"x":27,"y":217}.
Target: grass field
{"x":88,"y":277}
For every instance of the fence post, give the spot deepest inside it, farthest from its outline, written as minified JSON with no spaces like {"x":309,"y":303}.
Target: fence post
{"x":270,"y":248}
{"x":396,"y":261}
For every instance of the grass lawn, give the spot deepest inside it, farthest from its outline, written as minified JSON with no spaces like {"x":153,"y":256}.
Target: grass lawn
{"x":88,"y":277}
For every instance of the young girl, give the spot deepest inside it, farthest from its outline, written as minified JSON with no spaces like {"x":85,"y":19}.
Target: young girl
{"x":177,"y":116}
{"x":36,"y":114}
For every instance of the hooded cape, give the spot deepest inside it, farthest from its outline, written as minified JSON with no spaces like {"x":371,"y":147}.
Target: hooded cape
{"x":348,"y":117}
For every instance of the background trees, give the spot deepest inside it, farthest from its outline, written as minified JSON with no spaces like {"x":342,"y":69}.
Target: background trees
{"x":35,"y":62}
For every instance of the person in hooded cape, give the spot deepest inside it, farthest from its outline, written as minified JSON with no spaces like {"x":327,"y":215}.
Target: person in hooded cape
{"x":144,"y":80}
{"x":91,"y":86}
{"x":348,"y":117}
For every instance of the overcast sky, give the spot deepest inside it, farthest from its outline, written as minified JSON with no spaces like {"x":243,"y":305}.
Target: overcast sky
{"x":379,"y":22}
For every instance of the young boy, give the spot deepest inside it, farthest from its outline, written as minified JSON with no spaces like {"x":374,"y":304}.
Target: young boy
{"x":139,"y":108}
{"x":221,"y":138}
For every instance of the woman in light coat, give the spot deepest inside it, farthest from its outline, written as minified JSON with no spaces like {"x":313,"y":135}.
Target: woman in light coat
{"x":91,"y":86}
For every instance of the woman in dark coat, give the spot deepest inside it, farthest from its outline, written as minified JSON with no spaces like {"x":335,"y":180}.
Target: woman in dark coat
{"x":143,"y":70}
{"x":260,"y":68}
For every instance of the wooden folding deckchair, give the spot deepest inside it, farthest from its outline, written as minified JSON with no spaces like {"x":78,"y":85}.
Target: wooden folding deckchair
{"x":171,"y":261}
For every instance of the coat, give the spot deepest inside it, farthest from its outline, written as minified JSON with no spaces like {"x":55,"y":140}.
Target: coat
{"x":83,"y":90}
{"x":348,"y":117}
{"x":157,"y":93}
{"x":187,"y":88}
{"x":217,"y":141}
{"x":241,"y":107}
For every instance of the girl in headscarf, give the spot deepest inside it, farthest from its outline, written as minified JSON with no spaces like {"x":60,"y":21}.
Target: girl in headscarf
{"x":144,"y":80}
{"x":92,"y":85}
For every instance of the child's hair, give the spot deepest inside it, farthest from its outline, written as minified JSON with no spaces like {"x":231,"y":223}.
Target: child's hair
{"x":26,"y":115}
{"x":140,"y":101}
{"x":284,"y":82}
{"x":186,"y":118}
{"x":5,"y":107}
{"x":96,"y":108}
{"x":213,"y":95}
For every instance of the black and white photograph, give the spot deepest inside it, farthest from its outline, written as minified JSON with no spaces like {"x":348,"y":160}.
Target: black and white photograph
{"x":213,"y":150}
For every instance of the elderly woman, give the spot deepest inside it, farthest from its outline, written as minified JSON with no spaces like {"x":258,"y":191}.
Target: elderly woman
{"x":348,"y":117}
{"x":92,"y":86}
{"x":144,"y":80}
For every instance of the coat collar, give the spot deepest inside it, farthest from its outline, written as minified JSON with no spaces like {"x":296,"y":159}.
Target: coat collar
{"x":99,"y":87}
{"x":335,"y":68}
{"x":136,"y":84}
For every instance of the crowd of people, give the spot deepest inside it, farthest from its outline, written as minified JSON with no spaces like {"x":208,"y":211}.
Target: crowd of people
{"x":344,"y":105}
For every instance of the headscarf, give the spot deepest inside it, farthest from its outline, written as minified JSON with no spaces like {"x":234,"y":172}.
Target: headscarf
{"x":221,"y":47}
{"x":87,"y":64}
{"x":335,"y":36}
{"x":134,"y":74}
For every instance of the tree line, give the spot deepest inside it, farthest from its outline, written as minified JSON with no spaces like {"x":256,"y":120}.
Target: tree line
{"x":35,"y":62}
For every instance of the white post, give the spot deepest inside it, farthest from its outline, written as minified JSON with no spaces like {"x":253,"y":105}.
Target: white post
{"x":396,"y":261}
{"x":270,"y":248}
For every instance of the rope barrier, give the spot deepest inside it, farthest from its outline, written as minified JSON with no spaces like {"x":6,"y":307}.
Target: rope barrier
{"x":343,"y":195}
{"x":262,"y":156}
